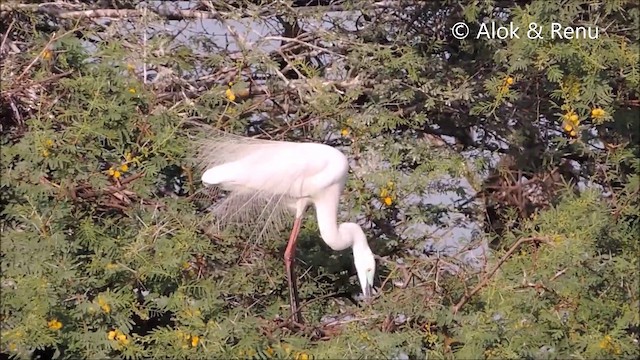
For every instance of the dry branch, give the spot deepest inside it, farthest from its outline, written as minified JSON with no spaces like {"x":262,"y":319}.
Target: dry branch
{"x":75,"y":11}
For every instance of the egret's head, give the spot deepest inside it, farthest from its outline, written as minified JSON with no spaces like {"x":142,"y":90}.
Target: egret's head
{"x":362,"y":257}
{"x":366,"y":268}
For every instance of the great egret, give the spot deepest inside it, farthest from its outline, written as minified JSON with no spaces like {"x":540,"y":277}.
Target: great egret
{"x":267,"y":179}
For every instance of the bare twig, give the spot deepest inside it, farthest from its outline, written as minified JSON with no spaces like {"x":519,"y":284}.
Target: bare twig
{"x":44,"y":48}
{"x":558,"y":274}
{"x":39,"y":82}
{"x":6,"y":34}
{"x":304,"y":43}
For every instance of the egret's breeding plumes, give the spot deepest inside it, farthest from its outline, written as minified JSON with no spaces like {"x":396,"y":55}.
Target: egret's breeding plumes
{"x":267,"y":179}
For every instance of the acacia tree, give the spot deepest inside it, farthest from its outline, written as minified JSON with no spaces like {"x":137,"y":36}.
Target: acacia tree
{"x":107,"y":250}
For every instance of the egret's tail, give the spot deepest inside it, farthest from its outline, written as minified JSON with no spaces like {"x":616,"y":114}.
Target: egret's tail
{"x":220,"y":148}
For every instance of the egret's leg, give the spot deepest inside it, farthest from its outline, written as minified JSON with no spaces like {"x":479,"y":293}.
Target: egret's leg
{"x":289,"y":259}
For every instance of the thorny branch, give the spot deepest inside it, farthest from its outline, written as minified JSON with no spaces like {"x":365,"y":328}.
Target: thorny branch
{"x":485,"y":279}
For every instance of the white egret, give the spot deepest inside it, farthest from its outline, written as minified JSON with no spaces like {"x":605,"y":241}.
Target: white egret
{"x":267,"y":179}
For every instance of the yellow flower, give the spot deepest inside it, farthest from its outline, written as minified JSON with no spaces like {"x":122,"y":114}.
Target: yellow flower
{"x":48,"y":143}
{"x":117,"y":335}
{"x":127,"y":156}
{"x":573,"y":133}
{"x":116,"y":174}
{"x":509,"y":80}
{"x":269,"y":351}
{"x":104,"y":305}
{"x":431,"y":338}
{"x":567,"y":127}
{"x":504,"y":89}
{"x":45,"y":153}
{"x":54,"y":324}
{"x":47,"y":54}
{"x":130,"y":67}
{"x":607,"y":343}
{"x":194,"y":340}
{"x":230,"y":95}
{"x":12,"y":347}
{"x":388,"y":200}
{"x":344,"y":132}
{"x":111,"y":171}
{"x":598,"y":113}
{"x":122,"y":339}
{"x":111,"y":266}
{"x":386,"y":193}
{"x":124,"y":167}
{"x":302,"y":356}
{"x":574,"y":119}
{"x":132,"y":90}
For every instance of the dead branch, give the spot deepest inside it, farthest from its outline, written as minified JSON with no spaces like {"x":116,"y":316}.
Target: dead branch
{"x":75,"y":11}
{"x":62,"y":10}
{"x":23,"y":85}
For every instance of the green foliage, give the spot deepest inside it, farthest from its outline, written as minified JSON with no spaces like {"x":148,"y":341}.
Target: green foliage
{"x":549,"y":299}
{"x":106,"y":251}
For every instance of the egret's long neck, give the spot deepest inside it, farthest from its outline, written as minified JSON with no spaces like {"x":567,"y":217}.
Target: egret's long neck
{"x":326,"y":212}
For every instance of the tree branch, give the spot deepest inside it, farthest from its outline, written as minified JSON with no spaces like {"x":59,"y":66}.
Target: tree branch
{"x":72,"y":11}
{"x":489,"y":275}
